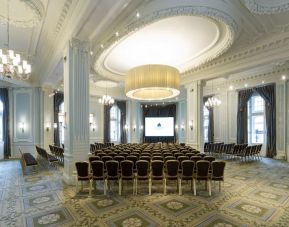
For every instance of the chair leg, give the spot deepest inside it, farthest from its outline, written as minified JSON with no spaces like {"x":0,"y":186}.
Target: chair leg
{"x":106,"y":184}
{"x":150,"y":186}
{"x":76,"y":186}
{"x":136,"y":186}
{"x":195,"y":189}
{"x":119,"y":186}
{"x":104,"y":187}
{"x":180,"y":186}
{"x":165,"y":185}
{"x":133,"y":186}
{"x":90,"y":188}
{"x":209,"y":184}
{"x":219,"y":186}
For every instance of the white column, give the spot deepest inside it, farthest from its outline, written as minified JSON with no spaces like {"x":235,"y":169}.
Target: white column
{"x":194,"y":137}
{"x":48,"y":118}
{"x":76,"y":106}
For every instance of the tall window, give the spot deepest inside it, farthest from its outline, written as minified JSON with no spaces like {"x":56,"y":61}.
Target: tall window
{"x":61,"y":122}
{"x":256,"y":119}
{"x":206,"y":123}
{"x":1,"y":121}
{"x":115,"y":124}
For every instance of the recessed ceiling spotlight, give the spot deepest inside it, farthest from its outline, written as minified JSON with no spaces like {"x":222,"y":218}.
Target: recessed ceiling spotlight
{"x":263,"y":82}
{"x":137,"y":14}
{"x":218,"y":89}
{"x":246,"y":85}
{"x":283,"y":77}
{"x":101,"y":46}
{"x":116,"y":34}
{"x":91,"y":53}
{"x":231,"y":87}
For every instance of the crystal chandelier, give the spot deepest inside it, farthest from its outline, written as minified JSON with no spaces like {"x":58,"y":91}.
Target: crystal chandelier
{"x":212,"y":102}
{"x":106,"y":100}
{"x":11,"y":64}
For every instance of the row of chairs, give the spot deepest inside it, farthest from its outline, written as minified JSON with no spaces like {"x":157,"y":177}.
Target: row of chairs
{"x":98,"y":146}
{"x":46,"y":157}
{"x":201,"y":170}
{"x":58,"y":153}
{"x":242,"y":151}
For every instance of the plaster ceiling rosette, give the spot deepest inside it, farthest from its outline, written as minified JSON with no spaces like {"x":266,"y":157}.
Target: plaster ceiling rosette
{"x":181,"y":36}
{"x":267,"y":6}
{"x":25,"y":14}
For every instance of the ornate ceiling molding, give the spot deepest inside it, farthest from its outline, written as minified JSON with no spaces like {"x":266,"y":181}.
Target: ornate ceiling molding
{"x":267,"y":6}
{"x":217,"y":14}
{"x":25,"y":14}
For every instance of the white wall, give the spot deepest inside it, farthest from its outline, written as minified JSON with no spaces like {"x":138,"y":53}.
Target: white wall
{"x":25,"y":107}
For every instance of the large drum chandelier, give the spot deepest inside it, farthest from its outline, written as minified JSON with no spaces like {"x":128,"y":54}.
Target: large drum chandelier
{"x":152,"y":82}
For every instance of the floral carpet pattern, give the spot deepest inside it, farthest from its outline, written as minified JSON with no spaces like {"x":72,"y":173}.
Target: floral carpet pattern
{"x":254,"y":194}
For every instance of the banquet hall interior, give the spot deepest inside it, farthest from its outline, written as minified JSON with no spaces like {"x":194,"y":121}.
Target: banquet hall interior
{"x":144,"y":113}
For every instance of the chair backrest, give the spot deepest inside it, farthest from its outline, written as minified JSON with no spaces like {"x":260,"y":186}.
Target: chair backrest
{"x":172,"y":167}
{"x":119,"y":158}
{"x":218,"y":168}
{"x":146,"y":158}
{"x":160,"y":158}
{"x":93,"y":158}
{"x":106,"y":158}
{"x":157,"y":168}
{"x":169,"y":158}
{"x":182,"y":158}
{"x":112,"y":168}
{"x":196,"y":158}
{"x":202,"y":168}
{"x":97,"y":168}
{"x":210,"y":158}
{"x":82,"y":169}
{"x":142,"y":168}
{"x":188,"y":168}
{"x":126,"y":168}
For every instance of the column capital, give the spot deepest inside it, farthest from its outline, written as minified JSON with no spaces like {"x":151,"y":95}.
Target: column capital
{"x":80,"y":44}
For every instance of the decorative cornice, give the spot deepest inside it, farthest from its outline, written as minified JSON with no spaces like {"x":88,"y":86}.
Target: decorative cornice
{"x":231,"y":23}
{"x":36,"y":9}
{"x":267,"y":6}
{"x":243,"y":54}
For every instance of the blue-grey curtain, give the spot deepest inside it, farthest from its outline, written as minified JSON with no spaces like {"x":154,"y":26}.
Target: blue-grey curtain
{"x":106,"y":123}
{"x":268,"y":94}
{"x":6,"y":137}
{"x":159,"y":111}
{"x":242,"y":115}
{"x":122,"y":106}
{"x":211,"y":121}
{"x":57,"y":100}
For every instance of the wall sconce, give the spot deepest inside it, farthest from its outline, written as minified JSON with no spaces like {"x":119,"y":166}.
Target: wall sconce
{"x":90,"y":119}
{"x":134,"y":128}
{"x":21,"y":126}
{"x":182,"y":127}
{"x":125,"y":127}
{"x":191,"y":124}
{"x":55,"y":125}
{"x":93,"y":126}
{"x":176,"y":127}
{"x":47,"y":126}
{"x":141,"y":127}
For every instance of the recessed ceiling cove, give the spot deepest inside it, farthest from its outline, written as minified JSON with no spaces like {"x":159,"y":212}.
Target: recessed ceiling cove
{"x":183,"y":37}
{"x":177,"y":41}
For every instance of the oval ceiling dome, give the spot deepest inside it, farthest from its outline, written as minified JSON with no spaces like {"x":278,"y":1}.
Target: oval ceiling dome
{"x":172,"y":41}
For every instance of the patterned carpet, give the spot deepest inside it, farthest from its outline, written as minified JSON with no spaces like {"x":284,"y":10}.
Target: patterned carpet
{"x":254,"y":194}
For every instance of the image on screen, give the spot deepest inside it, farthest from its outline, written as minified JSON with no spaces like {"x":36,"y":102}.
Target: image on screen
{"x":159,"y":126}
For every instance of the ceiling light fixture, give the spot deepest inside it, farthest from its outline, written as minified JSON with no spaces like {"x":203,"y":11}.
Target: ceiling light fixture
{"x":212,"y":101}
{"x":152,"y":82}
{"x":11,"y":64}
{"x":106,"y":99}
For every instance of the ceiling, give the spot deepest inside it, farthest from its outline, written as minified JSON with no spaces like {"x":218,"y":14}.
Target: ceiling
{"x":203,"y":39}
